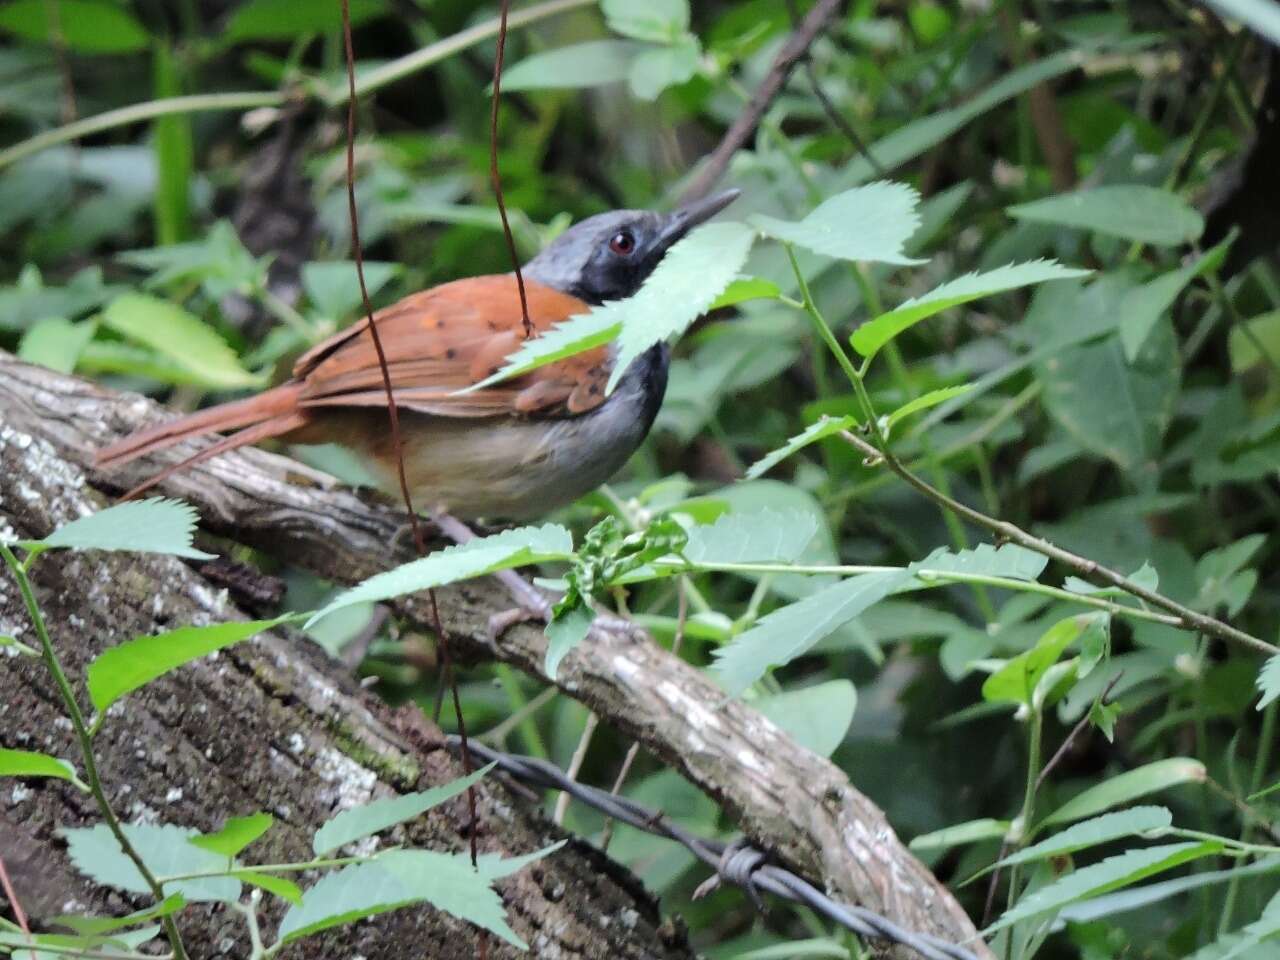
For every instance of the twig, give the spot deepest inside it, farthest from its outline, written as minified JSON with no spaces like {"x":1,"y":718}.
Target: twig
{"x":742,"y":127}
{"x":575,"y":765}
{"x":18,"y":913}
{"x":833,"y":114}
{"x":1190,"y":619}
{"x":1075,"y":732}
{"x":495,"y":177}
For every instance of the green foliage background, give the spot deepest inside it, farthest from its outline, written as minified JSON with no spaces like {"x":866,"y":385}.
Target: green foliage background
{"x":1131,"y":415}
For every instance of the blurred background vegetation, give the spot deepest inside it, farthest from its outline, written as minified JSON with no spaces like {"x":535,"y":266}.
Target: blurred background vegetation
{"x":192,"y":250}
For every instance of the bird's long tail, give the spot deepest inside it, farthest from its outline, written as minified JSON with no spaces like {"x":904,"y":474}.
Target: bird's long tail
{"x":272,"y":413}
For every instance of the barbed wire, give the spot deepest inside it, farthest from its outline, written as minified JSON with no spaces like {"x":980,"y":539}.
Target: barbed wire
{"x":736,"y":862}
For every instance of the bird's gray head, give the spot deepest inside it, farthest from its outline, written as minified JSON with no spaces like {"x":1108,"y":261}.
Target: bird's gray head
{"x":608,"y":256}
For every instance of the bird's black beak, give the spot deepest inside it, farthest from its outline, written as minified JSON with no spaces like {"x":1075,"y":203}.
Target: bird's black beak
{"x":686,"y":218}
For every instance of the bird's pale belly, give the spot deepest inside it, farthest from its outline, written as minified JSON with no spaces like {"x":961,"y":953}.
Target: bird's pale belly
{"x":520,"y":469}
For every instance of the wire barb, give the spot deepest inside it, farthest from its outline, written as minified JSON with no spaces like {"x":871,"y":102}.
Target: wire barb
{"x":737,"y":862}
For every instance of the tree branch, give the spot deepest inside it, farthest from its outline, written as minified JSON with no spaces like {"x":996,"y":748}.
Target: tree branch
{"x":788,"y":800}
{"x":747,"y":121}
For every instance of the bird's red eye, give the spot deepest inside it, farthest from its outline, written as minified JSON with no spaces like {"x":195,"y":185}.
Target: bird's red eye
{"x":622,"y":243}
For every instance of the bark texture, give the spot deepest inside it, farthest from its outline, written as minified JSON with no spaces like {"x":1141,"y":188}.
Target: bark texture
{"x":787,"y":799}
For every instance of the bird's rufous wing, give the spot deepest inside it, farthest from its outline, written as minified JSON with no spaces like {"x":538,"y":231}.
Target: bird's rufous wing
{"x":445,"y":339}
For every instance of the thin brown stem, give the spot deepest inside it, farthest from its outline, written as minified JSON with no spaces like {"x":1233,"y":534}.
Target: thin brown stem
{"x":496,"y":177}
{"x":18,"y":913}
{"x":1189,"y":619}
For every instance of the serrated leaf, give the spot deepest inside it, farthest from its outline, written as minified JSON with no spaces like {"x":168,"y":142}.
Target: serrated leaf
{"x":960,"y":834}
{"x":151,"y":526}
{"x":1145,"y":576}
{"x":869,"y":223}
{"x":1128,"y":786}
{"x":759,"y":536}
{"x":282,"y":888}
{"x":1016,"y":681}
{"x":591,"y":64}
{"x":165,"y":851}
{"x":180,"y":337}
{"x":791,"y":631}
{"x":818,"y":430}
{"x":583,"y":332}
{"x":743,"y":289}
{"x":695,"y":271}
{"x":1111,"y":874}
{"x":236,"y":834}
{"x":1006,"y":560}
{"x":816,"y":717}
{"x":874,"y":334}
{"x":398,"y":879}
{"x":511,"y":548}
{"x":1092,"y":833}
{"x":1269,"y":681}
{"x":24,"y":763}
{"x":924,"y":402}
{"x":378,"y":815}
{"x":120,"y":670}
{"x":564,"y":632}
{"x":1130,"y":211}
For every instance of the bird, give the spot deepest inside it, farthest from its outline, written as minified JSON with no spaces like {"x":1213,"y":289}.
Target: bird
{"x":514,"y":450}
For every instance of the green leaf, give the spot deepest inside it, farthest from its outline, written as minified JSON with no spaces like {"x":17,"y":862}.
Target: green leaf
{"x":1133,"y":212}
{"x":56,"y":343}
{"x":288,"y":20}
{"x":398,"y":879}
{"x":1006,"y":560}
{"x":1128,"y":786}
{"x":86,"y":26}
{"x":657,"y":21}
{"x":816,"y":717}
{"x":961,"y":834}
{"x":684,"y":284}
{"x":1143,"y":306}
{"x":1269,"y":681}
{"x":819,"y":430}
{"x":924,"y":402}
{"x":869,"y":223}
{"x":333,"y":288}
{"x":798,"y":950}
{"x":378,"y":815}
{"x":1092,"y":833}
{"x":744,"y":289}
{"x":1255,"y":342}
{"x":757,"y":536}
{"x":23,"y":763}
{"x":1016,"y":681}
{"x":511,"y":548}
{"x":567,"y":629}
{"x":120,"y":670}
{"x":1145,"y":576}
{"x":1111,"y":874}
{"x":791,"y":631}
{"x":149,"y":526}
{"x":165,"y":851}
{"x":874,"y":334}
{"x":591,"y":64}
{"x":657,"y":68}
{"x":180,"y":337}
{"x":236,"y":834}
{"x":1110,"y":407}
{"x":282,"y":888}
{"x":100,"y":925}
{"x":173,"y":146}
